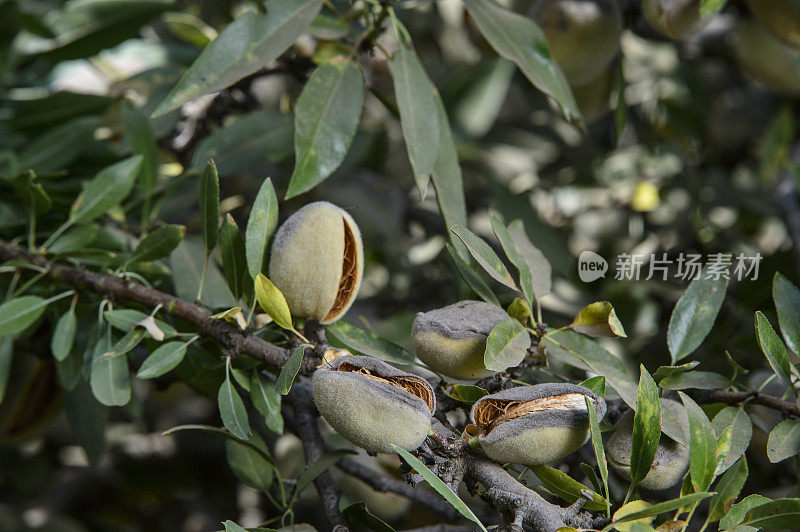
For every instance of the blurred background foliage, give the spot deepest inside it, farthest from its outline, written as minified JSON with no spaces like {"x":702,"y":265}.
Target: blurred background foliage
{"x":687,"y":148}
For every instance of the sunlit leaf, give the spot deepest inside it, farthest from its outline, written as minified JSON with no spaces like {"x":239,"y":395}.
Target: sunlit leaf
{"x":272,"y":301}
{"x":506,"y":346}
{"x":598,"y":320}
{"x":646,"y":427}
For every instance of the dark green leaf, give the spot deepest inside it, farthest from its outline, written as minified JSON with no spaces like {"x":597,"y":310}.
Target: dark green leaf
{"x":318,"y":467}
{"x":599,"y":450}
{"x":519,"y":39}
{"x":254,"y":140}
{"x":566,"y":487}
{"x":75,"y":239}
{"x":142,"y":142}
{"x":470,"y":276}
{"x":260,"y":226}
{"x":419,"y":113}
{"x":234,"y":261}
{"x":742,"y":431}
{"x":777,"y":514}
{"x":64,"y":335}
{"x":109,"y":187}
{"x":243,"y":47}
{"x":484,"y":255}
{"x":727,"y":489}
{"x":506,"y":346}
{"x":267,"y":401}
{"x":164,"y":359}
{"x":358,"y":514}
{"x":248,"y":465}
{"x":446,"y":174}
{"x":326,"y":119}
{"x":466,"y":393}
{"x":110,"y":380}
{"x":6,"y":355}
{"x":360,"y":341}
{"x":774,"y":349}
{"x":437,"y":484}
{"x":702,"y":445}
{"x":646,"y":427}
{"x":87,"y":420}
{"x":158,"y":244}
{"x":694,"y":315}
{"x":669,"y":371}
{"x":59,"y":146}
{"x":231,"y":407}
{"x":208,"y":198}
{"x":186,"y":263}
{"x":738,"y":511}
{"x":596,"y":384}
{"x":787,"y":304}
{"x":512,"y":252}
{"x":19,"y":313}
{"x":598,"y":320}
{"x":699,"y":380}
{"x":289,"y":371}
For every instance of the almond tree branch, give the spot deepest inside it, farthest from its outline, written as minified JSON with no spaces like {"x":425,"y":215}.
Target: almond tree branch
{"x":118,"y":289}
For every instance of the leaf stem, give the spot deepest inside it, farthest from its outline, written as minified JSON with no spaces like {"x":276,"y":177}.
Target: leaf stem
{"x":202,"y":279}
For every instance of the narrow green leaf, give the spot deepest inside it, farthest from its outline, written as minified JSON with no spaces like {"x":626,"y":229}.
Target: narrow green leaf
{"x":19,"y":313}
{"x":358,"y":514}
{"x":142,"y":142}
{"x":262,"y":451}
{"x":437,"y":484}
{"x":186,"y":263}
{"x":208,"y":198}
{"x":243,"y":47}
{"x":109,"y":187}
{"x":466,"y":393}
{"x":774,"y":349}
{"x":664,"y":507}
{"x":231,"y":407}
{"x":728,"y":489}
{"x":446,"y":174}
{"x":272,"y":302}
{"x":470,"y":276}
{"x":694,"y":315}
{"x":738,"y":511}
{"x":598,"y":320}
{"x":506,"y":346}
{"x":59,"y":146}
{"x":738,"y":420}
{"x":485,"y":256}
{"x":162,"y":360}
{"x":87,"y":420}
{"x":787,"y":304}
{"x":419,"y":113}
{"x":599,"y":451}
{"x":646,"y":427}
{"x":670,"y":371}
{"x":519,"y":39}
{"x":512,"y":252}
{"x":75,"y":239}
{"x":6,"y":356}
{"x":158,"y":244}
{"x":64,"y":335}
{"x":702,"y":445}
{"x":326,"y":119}
{"x":289,"y":371}
{"x":230,"y":526}
{"x":234,"y":261}
{"x":777,"y":514}
{"x":343,"y":334}
{"x":260,"y":226}
{"x":248,"y":465}
{"x":315,"y":469}
{"x":126,"y":319}
{"x":267,"y":401}
{"x":699,"y":380}
{"x":567,"y":487}
{"x":252,"y":141}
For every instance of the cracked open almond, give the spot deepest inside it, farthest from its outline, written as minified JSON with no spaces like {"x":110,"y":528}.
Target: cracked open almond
{"x":317,"y":261}
{"x":373,"y":404}
{"x":532,"y":425}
